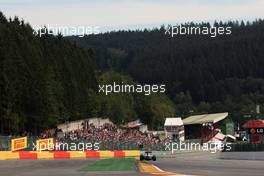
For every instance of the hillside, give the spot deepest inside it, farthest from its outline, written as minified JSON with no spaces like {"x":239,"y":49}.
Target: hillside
{"x":202,"y":74}
{"x":48,"y":80}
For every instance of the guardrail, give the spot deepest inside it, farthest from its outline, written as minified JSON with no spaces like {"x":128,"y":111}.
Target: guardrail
{"x":245,"y":148}
{"x":5,"y":144}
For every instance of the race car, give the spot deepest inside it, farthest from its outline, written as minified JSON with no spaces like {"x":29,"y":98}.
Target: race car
{"x":147,"y":155}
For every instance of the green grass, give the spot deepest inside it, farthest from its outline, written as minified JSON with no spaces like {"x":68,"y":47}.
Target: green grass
{"x":113,"y":164}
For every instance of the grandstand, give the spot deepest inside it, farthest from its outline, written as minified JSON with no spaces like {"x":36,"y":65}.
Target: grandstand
{"x":204,"y":127}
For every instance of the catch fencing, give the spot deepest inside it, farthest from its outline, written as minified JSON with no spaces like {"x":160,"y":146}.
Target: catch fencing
{"x":5,"y":144}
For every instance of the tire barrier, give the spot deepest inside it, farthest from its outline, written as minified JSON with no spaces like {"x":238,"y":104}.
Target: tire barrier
{"x":7,"y":155}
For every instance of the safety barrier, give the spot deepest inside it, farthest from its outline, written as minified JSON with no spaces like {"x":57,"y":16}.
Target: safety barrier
{"x":5,"y":144}
{"x":242,"y":155}
{"x":247,"y":147}
{"x":6,"y":155}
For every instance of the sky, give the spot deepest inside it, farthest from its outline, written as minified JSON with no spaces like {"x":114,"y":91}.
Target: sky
{"x":130,"y":14}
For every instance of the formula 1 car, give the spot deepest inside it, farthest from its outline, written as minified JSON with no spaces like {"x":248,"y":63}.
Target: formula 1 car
{"x":147,"y":155}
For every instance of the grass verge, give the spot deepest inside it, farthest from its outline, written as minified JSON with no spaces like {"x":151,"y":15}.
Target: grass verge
{"x":113,"y":164}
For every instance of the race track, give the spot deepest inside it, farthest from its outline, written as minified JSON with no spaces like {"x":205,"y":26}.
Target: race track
{"x":207,"y":164}
{"x":203,"y":164}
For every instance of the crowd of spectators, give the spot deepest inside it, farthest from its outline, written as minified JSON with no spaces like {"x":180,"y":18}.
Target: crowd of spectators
{"x":105,"y":135}
{"x":112,"y":133}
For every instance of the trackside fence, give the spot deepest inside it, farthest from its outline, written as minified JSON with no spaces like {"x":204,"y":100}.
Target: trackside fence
{"x":5,"y":144}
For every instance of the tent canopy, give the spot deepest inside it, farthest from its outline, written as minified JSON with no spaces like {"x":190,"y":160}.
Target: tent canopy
{"x":173,"y":121}
{"x":254,"y":124}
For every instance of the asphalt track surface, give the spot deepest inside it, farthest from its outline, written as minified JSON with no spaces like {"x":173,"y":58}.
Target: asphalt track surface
{"x":207,"y":164}
{"x":203,"y":164}
{"x":52,"y":168}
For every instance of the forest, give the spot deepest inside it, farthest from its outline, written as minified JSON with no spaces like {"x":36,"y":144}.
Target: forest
{"x":42,"y":80}
{"x":202,"y":74}
{"x":48,"y":80}
{"x":51,"y":79}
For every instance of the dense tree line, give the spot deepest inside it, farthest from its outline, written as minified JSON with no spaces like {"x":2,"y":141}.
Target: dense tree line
{"x":125,"y":107}
{"x":43,"y":80}
{"x":48,"y":80}
{"x":202,"y":74}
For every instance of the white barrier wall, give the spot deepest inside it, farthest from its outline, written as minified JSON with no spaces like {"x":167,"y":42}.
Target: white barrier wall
{"x":75,"y":125}
{"x":242,"y":155}
{"x":99,"y":121}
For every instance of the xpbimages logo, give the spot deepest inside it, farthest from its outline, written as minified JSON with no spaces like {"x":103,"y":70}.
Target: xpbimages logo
{"x":79,"y":31}
{"x":211,"y":31}
{"x":126,"y":88}
{"x":192,"y":146}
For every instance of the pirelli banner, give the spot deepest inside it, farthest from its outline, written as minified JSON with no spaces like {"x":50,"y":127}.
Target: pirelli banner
{"x":19,"y":143}
{"x":44,"y":144}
